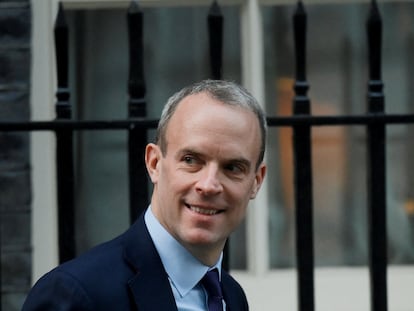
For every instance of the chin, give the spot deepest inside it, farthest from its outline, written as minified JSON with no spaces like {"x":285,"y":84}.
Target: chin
{"x":200,"y":237}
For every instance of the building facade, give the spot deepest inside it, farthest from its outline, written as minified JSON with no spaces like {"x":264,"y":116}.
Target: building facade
{"x":258,"y":53}
{"x":15,"y":173}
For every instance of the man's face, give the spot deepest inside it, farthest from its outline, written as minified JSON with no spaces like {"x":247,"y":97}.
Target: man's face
{"x":204,"y":182}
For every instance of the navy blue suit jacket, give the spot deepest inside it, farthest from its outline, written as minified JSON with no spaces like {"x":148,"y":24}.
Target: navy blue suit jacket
{"x":125,"y":273}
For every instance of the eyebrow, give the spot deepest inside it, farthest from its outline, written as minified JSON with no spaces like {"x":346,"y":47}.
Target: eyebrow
{"x":181,"y":152}
{"x":240,"y":160}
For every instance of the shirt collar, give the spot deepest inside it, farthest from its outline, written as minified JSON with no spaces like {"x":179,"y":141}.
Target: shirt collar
{"x":183,"y":269}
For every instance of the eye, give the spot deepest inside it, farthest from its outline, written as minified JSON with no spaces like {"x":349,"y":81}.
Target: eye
{"x":188,"y":159}
{"x":191,"y":162}
{"x":235,"y":168}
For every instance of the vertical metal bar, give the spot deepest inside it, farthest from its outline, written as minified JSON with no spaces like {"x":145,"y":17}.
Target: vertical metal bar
{"x":215,"y":33}
{"x":303,"y":170}
{"x":215,"y":30}
{"x":64,"y":144}
{"x":137,"y":139}
{"x":376,"y":167}
{"x":409,"y":192}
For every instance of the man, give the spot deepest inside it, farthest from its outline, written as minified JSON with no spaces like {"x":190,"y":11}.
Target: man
{"x":206,"y":165}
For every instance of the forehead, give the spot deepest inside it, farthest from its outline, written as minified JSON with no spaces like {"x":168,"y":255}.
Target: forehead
{"x":200,"y":119}
{"x":201,"y":107}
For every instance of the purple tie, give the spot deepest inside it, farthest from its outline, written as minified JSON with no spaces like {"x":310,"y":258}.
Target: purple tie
{"x":212,"y":285}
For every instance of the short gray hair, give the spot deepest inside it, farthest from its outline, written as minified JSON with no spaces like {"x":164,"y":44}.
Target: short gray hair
{"x":227,"y":92}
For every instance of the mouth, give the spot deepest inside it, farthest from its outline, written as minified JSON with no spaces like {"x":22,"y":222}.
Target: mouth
{"x":203,"y":211}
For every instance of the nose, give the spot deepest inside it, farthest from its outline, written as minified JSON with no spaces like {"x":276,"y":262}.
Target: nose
{"x":209,"y":182}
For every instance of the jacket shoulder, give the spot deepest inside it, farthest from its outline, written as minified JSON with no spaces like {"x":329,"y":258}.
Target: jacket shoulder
{"x":95,"y":280}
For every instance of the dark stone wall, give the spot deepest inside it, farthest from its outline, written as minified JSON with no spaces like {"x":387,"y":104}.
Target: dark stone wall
{"x":15,"y":188}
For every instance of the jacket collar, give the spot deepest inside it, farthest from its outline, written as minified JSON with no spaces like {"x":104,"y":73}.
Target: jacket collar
{"x":233,"y":294}
{"x":150,"y":287}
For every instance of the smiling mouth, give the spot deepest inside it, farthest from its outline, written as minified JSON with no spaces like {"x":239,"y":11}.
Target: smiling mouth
{"x":203,"y":211}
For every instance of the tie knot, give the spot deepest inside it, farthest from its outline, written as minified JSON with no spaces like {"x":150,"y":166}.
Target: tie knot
{"x":211,"y":283}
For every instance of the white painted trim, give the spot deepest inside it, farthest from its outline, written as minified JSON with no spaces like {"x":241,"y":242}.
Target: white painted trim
{"x":44,"y":223}
{"x":337,"y":288}
{"x":253,"y":80}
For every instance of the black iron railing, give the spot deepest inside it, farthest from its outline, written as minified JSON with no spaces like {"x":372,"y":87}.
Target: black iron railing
{"x":64,"y":144}
{"x":301,"y":121}
{"x":376,"y":136}
{"x":303,"y":170}
{"x":137,"y":138}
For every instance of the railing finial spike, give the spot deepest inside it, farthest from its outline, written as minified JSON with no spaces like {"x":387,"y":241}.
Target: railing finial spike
{"x":134,"y":6}
{"x":215,"y":8}
{"x":60,"y":17}
{"x":215,"y":23}
{"x":374,"y":32}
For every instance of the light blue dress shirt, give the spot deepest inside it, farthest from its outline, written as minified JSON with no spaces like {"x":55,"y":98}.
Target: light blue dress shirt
{"x":183,"y":269}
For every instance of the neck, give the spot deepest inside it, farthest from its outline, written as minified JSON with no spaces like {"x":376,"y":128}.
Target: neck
{"x":206,"y":255}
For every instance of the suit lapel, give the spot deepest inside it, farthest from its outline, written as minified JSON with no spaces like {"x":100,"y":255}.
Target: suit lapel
{"x":150,"y":287}
{"x":228,"y":299}
{"x":150,"y":294}
{"x":233,"y":294}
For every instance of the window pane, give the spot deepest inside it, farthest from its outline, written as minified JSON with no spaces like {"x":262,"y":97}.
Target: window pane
{"x":337,"y":73}
{"x":176,"y":53}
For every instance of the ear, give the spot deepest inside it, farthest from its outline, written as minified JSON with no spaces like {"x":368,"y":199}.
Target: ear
{"x":259,"y":177}
{"x":152,"y":159}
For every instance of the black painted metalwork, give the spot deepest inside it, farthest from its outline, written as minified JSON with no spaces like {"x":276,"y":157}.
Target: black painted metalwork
{"x":64,"y":144}
{"x":376,"y":139}
{"x":303,"y":170}
{"x":137,"y":137}
{"x":143,"y":123}
{"x":215,"y":27}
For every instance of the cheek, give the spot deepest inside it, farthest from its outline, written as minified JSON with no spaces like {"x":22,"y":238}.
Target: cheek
{"x":244,"y":192}
{"x":239,"y":203}
{"x":240,"y":198}
{"x":237,"y":217}
{"x":172,"y":182}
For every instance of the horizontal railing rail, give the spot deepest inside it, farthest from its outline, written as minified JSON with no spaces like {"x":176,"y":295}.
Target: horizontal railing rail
{"x":144,"y":123}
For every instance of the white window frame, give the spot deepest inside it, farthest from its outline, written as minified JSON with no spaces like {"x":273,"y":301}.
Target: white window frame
{"x":266,"y":289}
